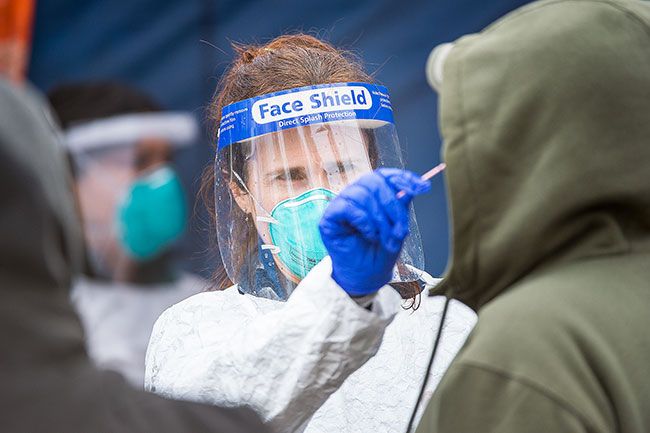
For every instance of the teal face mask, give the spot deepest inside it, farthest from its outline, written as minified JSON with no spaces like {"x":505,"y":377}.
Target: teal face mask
{"x":152,"y":215}
{"x":296,"y":233}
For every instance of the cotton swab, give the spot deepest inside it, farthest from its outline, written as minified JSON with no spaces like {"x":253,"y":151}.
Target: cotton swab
{"x":426,"y":176}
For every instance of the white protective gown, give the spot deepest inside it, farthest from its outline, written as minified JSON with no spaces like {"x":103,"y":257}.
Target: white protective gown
{"x":118,"y":318}
{"x":305,"y":364}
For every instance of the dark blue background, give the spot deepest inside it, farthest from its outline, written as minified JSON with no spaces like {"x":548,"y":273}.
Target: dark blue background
{"x":177,"y":49}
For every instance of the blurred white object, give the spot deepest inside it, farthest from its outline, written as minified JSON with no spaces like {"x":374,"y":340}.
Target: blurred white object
{"x":436,"y":63}
{"x":179,"y":129}
{"x":118,"y":317}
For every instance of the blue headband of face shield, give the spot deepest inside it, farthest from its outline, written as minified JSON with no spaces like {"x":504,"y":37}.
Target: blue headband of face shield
{"x":303,"y":106}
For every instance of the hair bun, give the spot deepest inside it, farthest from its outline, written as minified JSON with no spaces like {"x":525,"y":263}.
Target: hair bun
{"x":300,"y":41}
{"x":249,"y":53}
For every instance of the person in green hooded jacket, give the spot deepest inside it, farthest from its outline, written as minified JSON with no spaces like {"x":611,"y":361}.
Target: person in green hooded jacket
{"x":545,"y":117}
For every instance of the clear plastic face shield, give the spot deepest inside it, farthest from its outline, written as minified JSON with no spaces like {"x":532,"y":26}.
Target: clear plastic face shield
{"x":281,"y":159}
{"x":131,"y":201}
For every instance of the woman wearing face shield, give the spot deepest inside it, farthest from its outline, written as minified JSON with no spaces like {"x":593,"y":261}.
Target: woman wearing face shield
{"x":294,"y":322}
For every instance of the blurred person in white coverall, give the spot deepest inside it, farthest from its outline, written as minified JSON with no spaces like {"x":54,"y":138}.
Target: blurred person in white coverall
{"x":133,"y":208}
{"x":292,"y":325}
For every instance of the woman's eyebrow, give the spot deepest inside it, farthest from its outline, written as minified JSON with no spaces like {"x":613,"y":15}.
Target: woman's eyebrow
{"x":340,"y":163}
{"x":282,"y":171}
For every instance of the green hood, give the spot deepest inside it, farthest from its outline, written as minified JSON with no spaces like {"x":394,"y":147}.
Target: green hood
{"x":545,"y":117}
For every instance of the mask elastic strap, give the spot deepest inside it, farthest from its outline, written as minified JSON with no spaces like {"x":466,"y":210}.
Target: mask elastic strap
{"x":308,"y":199}
{"x":268,"y":220}
{"x":274,"y":249}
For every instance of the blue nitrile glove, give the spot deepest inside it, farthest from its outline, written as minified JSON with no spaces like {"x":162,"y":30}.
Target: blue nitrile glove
{"x":363,"y":228}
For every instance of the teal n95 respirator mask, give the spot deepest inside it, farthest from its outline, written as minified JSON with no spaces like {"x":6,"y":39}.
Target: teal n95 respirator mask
{"x":281,"y":158}
{"x":294,"y":230}
{"x":152,"y":214}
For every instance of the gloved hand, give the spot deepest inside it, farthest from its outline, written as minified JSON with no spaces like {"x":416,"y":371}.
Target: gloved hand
{"x":364,"y":228}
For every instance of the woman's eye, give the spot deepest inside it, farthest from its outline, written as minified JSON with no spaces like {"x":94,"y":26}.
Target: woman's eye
{"x":298,"y":176}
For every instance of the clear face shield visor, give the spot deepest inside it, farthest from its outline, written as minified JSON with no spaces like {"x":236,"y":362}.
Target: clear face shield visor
{"x":274,"y":180}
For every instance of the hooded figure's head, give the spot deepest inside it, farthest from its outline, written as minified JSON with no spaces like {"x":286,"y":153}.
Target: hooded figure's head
{"x":546,"y":129}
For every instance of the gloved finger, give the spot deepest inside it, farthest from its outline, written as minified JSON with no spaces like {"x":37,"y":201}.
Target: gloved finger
{"x":334,"y":223}
{"x":398,"y":234}
{"x":369,"y":202}
{"x":405,"y":180}
{"x":377,"y":186}
{"x":398,"y":214}
{"x":396,"y":209}
{"x":344,"y":217}
{"x":373,"y":194}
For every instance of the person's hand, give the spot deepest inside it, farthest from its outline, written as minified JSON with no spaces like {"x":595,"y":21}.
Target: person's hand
{"x":364,"y":228}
